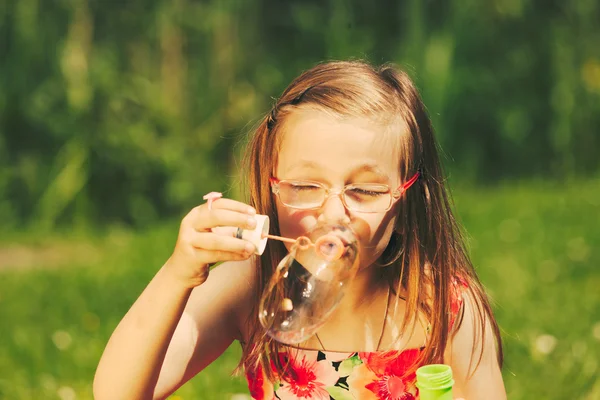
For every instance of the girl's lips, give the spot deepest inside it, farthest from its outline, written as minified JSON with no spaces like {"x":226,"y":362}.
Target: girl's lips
{"x":339,"y":235}
{"x":342,"y":232}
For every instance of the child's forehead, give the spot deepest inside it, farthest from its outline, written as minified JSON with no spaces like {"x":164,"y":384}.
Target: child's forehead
{"x":314,"y":140}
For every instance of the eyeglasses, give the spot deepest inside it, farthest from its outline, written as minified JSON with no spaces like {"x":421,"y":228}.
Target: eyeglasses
{"x":362,"y":197}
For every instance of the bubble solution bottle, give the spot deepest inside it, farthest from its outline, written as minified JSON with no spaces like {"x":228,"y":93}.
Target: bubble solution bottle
{"x":435,"y":382}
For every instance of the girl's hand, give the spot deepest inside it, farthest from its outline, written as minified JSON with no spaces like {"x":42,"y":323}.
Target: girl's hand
{"x":198,"y":246}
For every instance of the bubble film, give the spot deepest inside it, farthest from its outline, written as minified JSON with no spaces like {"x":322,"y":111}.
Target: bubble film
{"x":309,"y":283}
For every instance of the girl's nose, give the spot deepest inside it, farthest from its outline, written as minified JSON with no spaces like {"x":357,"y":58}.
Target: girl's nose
{"x":333,"y":210}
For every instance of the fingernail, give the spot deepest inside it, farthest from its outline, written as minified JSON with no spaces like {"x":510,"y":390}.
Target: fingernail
{"x":251,"y":211}
{"x":251,"y":222}
{"x":249,"y":248}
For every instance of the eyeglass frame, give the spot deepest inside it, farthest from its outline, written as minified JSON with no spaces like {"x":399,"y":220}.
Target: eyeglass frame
{"x":396,"y":194}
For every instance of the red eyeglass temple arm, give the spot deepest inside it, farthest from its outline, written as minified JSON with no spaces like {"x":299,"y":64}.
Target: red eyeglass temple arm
{"x":409,"y":183}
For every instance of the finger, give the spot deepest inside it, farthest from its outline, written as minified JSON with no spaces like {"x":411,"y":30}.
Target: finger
{"x":225,"y":230}
{"x":233,"y":205}
{"x":214,"y":242}
{"x":203,"y":220}
{"x":210,"y":257}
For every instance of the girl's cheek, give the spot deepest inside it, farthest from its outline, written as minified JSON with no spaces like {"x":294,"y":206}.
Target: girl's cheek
{"x":294,"y":223}
{"x":373,"y":235}
{"x":364,"y":228}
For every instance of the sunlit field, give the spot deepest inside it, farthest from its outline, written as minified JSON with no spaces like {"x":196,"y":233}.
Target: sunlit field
{"x":534,"y":245}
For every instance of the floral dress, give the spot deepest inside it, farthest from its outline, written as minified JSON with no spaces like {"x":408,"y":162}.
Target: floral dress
{"x":326,"y":375}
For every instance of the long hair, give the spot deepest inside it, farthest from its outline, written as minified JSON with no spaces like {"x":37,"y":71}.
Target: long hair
{"x":433,"y":250}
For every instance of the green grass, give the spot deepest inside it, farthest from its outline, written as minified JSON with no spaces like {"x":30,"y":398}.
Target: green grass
{"x":536,"y":248}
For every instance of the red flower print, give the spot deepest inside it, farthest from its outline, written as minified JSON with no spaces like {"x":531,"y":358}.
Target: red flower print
{"x":310,"y":378}
{"x":390,"y":388}
{"x":383,"y":376}
{"x":258,"y":384}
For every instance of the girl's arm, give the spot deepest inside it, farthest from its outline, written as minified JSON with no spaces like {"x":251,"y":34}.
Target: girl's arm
{"x":474,"y":378}
{"x":213,"y":319}
{"x":158,"y":346}
{"x":130,"y":364}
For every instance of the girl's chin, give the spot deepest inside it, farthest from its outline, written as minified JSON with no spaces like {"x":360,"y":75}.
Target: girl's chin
{"x":366,"y":266}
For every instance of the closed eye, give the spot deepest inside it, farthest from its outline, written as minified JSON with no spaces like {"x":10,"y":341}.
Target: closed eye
{"x":304,"y":188}
{"x":367,"y":192}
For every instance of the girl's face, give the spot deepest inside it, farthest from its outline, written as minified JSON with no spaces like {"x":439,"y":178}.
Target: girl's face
{"x":338,"y":152}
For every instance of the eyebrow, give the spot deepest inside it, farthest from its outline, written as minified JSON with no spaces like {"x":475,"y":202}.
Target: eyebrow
{"x":364,"y":167}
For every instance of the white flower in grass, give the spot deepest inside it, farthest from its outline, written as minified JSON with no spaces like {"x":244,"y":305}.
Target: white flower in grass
{"x":66,"y":393}
{"x":545,"y":344}
{"x":62,"y":340}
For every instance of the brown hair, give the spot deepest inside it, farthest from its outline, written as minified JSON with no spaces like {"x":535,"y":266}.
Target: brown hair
{"x":431,"y":237}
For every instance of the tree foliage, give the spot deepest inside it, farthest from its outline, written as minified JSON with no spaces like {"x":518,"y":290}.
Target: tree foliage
{"x":130,"y":111}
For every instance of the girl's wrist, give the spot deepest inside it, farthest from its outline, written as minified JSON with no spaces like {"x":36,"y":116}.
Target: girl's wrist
{"x":174,"y":281}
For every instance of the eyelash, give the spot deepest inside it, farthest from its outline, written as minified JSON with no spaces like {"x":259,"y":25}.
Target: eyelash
{"x":304,"y":187}
{"x":359,"y":191}
{"x":367,"y":192}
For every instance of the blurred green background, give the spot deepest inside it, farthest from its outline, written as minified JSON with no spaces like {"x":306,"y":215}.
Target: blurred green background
{"x":116,"y":117}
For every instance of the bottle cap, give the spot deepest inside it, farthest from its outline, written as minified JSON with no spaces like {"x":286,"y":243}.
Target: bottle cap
{"x":434,"y":377}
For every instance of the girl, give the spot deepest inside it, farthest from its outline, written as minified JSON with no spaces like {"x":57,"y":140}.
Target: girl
{"x":339,"y":128}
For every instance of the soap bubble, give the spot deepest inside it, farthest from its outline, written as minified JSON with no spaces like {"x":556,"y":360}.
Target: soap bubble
{"x":309,"y":283}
